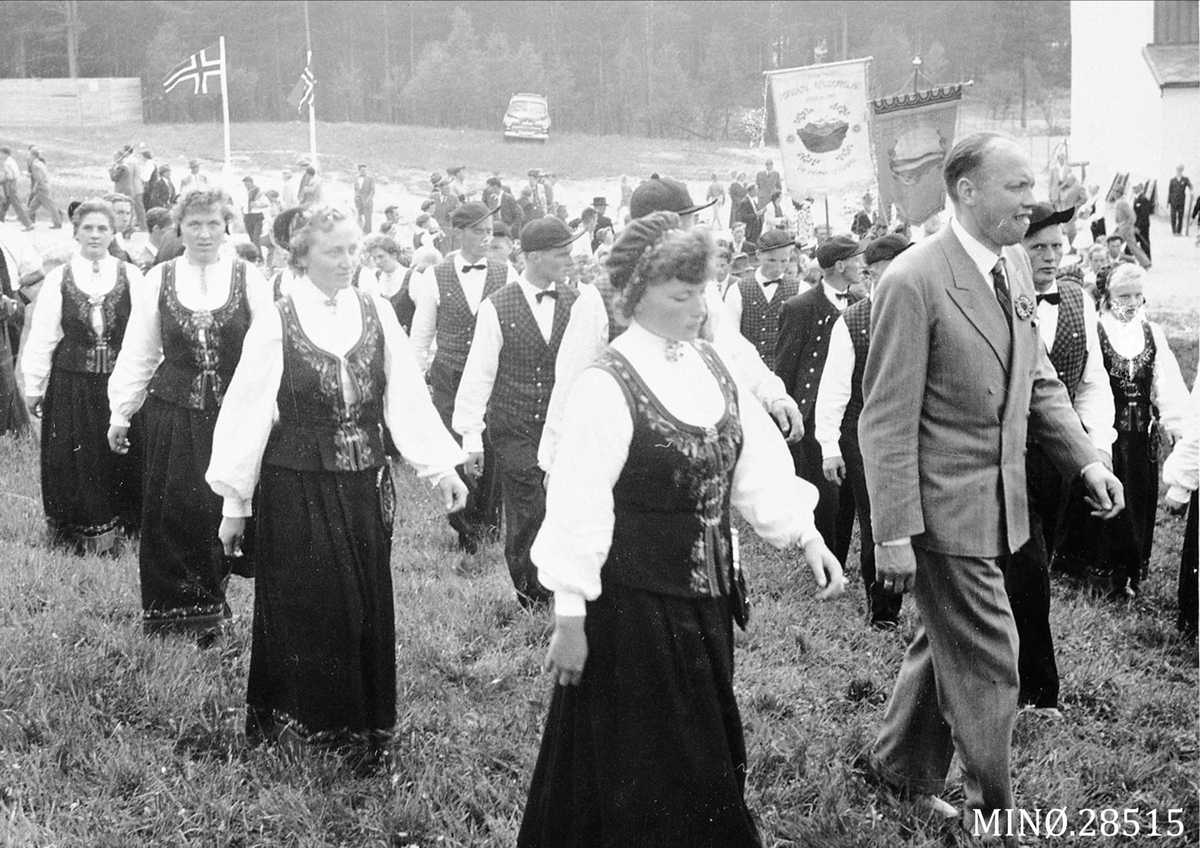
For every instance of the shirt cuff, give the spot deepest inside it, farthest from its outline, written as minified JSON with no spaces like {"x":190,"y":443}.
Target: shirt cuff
{"x":1179,"y":494}
{"x":1085,"y":468}
{"x":118,"y":420}
{"x":570,"y":605}
{"x":472,"y":442}
{"x":236,"y":508}
{"x":895,"y":543}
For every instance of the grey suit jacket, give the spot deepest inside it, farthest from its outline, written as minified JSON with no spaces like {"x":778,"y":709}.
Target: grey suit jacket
{"x":950,"y":396}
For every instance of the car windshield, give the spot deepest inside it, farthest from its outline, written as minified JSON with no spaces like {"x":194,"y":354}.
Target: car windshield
{"x":527,"y":109}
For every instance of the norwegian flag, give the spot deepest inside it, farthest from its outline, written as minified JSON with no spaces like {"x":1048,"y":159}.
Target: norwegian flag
{"x":302,"y":92}
{"x":197,"y":69}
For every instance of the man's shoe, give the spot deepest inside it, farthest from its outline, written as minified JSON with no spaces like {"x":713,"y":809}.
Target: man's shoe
{"x":929,"y":803}
{"x":1048,"y":713}
{"x":936,"y":806}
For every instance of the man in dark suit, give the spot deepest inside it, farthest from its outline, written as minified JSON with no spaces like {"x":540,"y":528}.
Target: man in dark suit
{"x":956,"y":378}
{"x":737,"y":191}
{"x":805,"y":324}
{"x":770,"y":187}
{"x":364,"y":197}
{"x":603,"y":222}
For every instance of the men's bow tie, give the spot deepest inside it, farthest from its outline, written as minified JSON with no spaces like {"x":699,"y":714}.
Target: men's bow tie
{"x":771,"y":283}
{"x":1053,"y":298}
{"x":553,"y":293}
{"x":841,"y":295}
{"x":482,"y":266}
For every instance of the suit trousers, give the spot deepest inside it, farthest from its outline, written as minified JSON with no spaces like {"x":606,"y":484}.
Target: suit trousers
{"x":882,"y":605}
{"x":10,"y":195}
{"x":1188,"y":590}
{"x":1177,"y":218}
{"x":480,"y":518}
{"x":957,"y":687}
{"x":1027,"y":580}
{"x":365,"y":212}
{"x":40,"y":199}
{"x":834,"y":513}
{"x":515,"y":448}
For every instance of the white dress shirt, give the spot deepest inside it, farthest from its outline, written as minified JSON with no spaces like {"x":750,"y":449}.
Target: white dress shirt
{"x":18,"y":255}
{"x":45,"y":330}
{"x":1181,"y":471}
{"x":380,"y":282}
{"x":587,"y":337}
{"x":1093,"y":396}
{"x":1169,"y":392}
{"x":573,"y":543}
{"x":142,"y":351}
{"x":250,"y":411}
{"x":833,"y":394}
{"x":483,"y":361}
{"x":733,"y":297}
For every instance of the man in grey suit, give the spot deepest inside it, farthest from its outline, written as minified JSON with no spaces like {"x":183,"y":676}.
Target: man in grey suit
{"x":364,"y":198}
{"x":955,"y":380}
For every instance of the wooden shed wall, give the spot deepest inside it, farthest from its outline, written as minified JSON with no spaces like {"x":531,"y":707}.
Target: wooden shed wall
{"x":72,"y":102}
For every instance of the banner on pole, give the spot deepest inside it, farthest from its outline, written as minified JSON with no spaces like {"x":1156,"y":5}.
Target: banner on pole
{"x":913,"y":133}
{"x":197,"y":69}
{"x":822,"y":117}
{"x":302,"y":91}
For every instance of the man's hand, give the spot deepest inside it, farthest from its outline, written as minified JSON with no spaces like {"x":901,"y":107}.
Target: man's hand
{"x":826,"y":569}
{"x":231,"y":532}
{"x":896,"y":567}
{"x":118,"y":439}
{"x":35,"y":405}
{"x":834,"y":469}
{"x":474,"y":464}
{"x":453,"y":492}
{"x":787,"y":419}
{"x":1106,"y":458}
{"x":1105,"y":494}
{"x":568,"y":651}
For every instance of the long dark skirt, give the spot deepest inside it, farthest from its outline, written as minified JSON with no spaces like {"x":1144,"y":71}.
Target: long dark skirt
{"x":323,"y":657}
{"x":1125,"y":541}
{"x":648,"y":750}
{"x":84,"y":484}
{"x":14,"y":416}
{"x":183,"y":573}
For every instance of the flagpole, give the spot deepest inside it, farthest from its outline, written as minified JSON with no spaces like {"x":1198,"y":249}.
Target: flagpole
{"x":225,"y":107}
{"x":312,"y":115}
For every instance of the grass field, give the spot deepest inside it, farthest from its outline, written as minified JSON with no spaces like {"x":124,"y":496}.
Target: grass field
{"x":109,"y":738}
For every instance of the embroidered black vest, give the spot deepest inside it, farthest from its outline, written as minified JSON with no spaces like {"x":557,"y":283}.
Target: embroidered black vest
{"x":455,"y":320}
{"x":1132,"y":381}
{"x":760,"y":317}
{"x":201,"y":349}
{"x":858,"y":322}
{"x":1069,"y":351}
{"x":671,"y":533}
{"x":317,"y":430}
{"x":82,"y":350}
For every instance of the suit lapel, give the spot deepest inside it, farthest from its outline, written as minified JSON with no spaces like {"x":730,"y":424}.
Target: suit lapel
{"x":971,"y":293}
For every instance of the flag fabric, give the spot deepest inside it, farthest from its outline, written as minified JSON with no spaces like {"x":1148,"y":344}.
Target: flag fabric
{"x":198,"y":69}
{"x":822,"y":118}
{"x":913,"y":133}
{"x":302,"y":91}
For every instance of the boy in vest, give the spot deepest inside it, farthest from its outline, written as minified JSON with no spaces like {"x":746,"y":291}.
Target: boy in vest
{"x":507,"y":381}
{"x":755,"y":303}
{"x":447,"y":300}
{"x":1067,"y":324}
{"x":839,"y":403}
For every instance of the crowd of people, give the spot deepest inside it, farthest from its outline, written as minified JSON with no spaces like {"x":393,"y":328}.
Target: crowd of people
{"x":987,"y":402}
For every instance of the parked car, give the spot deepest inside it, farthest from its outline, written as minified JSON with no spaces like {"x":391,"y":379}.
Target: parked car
{"x":528,"y":116}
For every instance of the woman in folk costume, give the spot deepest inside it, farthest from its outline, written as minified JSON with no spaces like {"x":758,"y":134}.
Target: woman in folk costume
{"x":1151,"y":403}
{"x":643,"y":742}
{"x":336,"y":365}
{"x":183,"y":342}
{"x":78,"y":325}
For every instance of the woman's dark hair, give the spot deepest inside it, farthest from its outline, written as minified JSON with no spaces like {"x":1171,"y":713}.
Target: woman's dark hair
{"x":281,"y":229}
{"x":95,"y":205}
{"x":653,"y":249}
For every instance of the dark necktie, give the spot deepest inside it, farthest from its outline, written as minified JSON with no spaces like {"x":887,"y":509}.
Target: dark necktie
{"x":1053,"y":298}
{"x":551,"y":293}
{"x":1003,"y":296}
{"x":480,"y":267}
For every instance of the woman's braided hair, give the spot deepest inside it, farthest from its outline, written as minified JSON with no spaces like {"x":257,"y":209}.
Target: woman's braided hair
{"x":654,"y":249}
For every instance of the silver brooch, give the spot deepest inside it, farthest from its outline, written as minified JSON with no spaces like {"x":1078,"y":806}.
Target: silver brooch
{"x":674,"y":350}
{"x":1025,"y":307}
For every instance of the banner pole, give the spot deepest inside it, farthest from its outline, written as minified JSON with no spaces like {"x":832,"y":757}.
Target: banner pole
{"x":225,"y":107}
{"x":312,"y":115}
